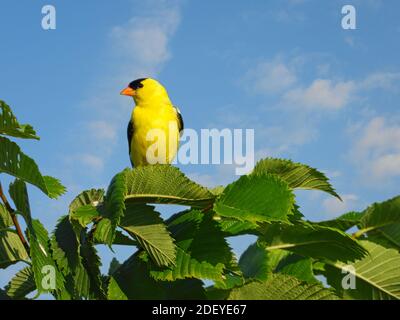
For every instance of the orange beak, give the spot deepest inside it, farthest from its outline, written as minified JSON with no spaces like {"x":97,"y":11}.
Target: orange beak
{"x":128,"y":92}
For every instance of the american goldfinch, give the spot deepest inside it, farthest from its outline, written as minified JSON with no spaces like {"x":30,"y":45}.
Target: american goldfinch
{"x":155,"y":125}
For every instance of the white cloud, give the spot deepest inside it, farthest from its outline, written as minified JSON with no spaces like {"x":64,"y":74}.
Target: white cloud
{"x":274,"y":151}
{"x":323,"y":69}
{"x":290,"y":12}
{"x":139,"y":48}
{"x":376,"y":148}
{"x":144,"y":40}
{"x":295,"y":132}
{"x":321,"y":94}
{"x":387,"y":165}
{"x":92,"y":161}
{"x":221,"y":174}
{"x":282,"y":78}
{"x":277,"y":136}
{"x":378,"y":136}
{"x":297,"y":121}
{"x":271,"y":77}
{"x":206,"y":180}
{"x":334,"y":206}
{"x":102,"y":130}
{"x":332,"y":173}
{"x":350,"y":41}
{"x":381,"y":80}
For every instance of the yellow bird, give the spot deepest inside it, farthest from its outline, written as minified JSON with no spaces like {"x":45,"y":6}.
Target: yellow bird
{"x":155,"y":125}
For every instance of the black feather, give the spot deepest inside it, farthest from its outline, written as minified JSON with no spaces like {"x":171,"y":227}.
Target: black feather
{"x":130,"y":131}
{"x":181,"y":125}
{"x":136,"y":84}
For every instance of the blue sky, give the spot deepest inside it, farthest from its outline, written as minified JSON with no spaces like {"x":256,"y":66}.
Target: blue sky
{"x":313,"y":92}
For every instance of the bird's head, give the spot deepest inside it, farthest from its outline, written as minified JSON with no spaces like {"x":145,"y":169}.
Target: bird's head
{"x":145,"y":90}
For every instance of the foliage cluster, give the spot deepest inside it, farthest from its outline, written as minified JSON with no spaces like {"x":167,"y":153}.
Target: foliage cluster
{"x":171,"y":259}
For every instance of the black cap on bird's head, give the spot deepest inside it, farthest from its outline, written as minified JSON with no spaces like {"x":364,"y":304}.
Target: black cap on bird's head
{"x":136,"y":84}
{"x":132,"y":87}
{"x":145,"y":91}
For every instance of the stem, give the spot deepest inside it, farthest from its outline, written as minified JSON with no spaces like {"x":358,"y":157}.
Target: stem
{"x":209,"y":207}
{"x":360,"y":232}
{"x":14,"y":219}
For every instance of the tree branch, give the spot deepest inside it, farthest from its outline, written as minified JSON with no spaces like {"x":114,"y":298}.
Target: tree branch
{"x":208,"y":208}
{"x":14,"y":219}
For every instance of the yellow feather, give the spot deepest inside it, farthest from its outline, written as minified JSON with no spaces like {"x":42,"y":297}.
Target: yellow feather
{"x":154,"y":114}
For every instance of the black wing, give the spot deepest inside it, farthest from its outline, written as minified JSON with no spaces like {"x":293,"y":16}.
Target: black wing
{"x":130,"y":134}
{"x":181,"y":125}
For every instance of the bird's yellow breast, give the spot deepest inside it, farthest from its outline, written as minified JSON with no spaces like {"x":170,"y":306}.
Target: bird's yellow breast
{"x":156,"y":135}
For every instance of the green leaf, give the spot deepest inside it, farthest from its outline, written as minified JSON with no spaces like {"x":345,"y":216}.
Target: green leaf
{"x":233,"y":227}
{"x":259,"y":263}
{"x":209,"y":235}
{"x":14,"y":162}
{"x":188,"y":289}
{"x":21,"y":284}
{"x":104,"y":232}
{"x":77,"y":258}
{"x":92,"y":264}
{"x":274,"y":257}
{"x":19,"y":194}
{"x":344,"y":222}
{"x":148,"y":184}
{"x":91,"y":197}
{"x":384,"y":219}
{"x":230,"y":280}
{"x":377,"y":274}
{"x":217,"y":190}
{"x":376,"y":237}
{"x":311,"y":240}
{"x":54,"y":187}
{"x":9,"y":125}
{"x":42,"y":261}
{"x":254,"y":262}
{"x":256,"y":198}
{"x":114,"y":202}
{"x":214,"y":293}
{"x":187,"y":267}
{"x":132,"y":281}
{"x":145,"y":224}
{"x":165,"y":184}
{"x":114,"y":291}
{"x":3,"y":295}
{"x":297,"y":215}
{"x":297,"y":266}
{"x":11,"y":249}
{"x":85,"y":215}
{"x":114,"y":265}
{"x":5,"y":218}
{"x":196,"y":232}
{"x":282,"y":287}
{"x":81,"y":283}
{"x":124,"y":240}
{"x":184,"y":227}
{"x":114,"y":205}
{"x":297,"y":175}
{"x":65,"y":246}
